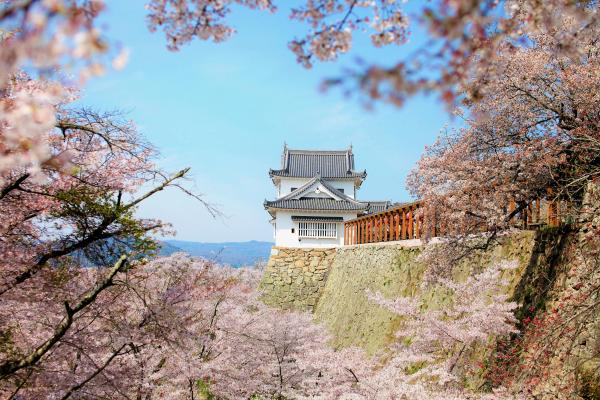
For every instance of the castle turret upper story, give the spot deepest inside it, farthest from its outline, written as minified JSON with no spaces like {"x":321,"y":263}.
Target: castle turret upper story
{"x":316,"y":190}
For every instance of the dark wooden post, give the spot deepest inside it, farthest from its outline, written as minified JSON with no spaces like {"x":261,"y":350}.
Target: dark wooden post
{"x":511,"y":208}
{"x":345,"y":234}
{"x":347,"y":228}
{"x":374,"y":235}
{"x":552,"y":213}
{"x":373,"y":229}
{"x":362,"y":231}
{"x":386,"y":227}
{"x":363,"y":237}
{"x":403,"y":224}
{"x":410,"y":223}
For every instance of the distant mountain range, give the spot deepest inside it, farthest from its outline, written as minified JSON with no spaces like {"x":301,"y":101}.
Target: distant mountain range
{"x":236,"y":254}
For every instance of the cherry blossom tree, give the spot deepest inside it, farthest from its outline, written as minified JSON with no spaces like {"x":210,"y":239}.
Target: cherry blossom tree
{"x":54,"y":209}
{"x":277,"y":354}
{"x":533,"y":134}
{"x":464,"y":57}
{"x":135,"y":339}
{"x":553,"y":352}
{"x":464,"y":36}
{"x":51,"y":40}
{"x":71,"y":203}
{"x":433,"y":340}
{"x":174,"y":328}
{"x":525,"y":74}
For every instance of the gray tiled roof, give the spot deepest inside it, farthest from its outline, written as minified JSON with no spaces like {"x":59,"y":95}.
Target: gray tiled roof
{"x":378,"y":206}
{"x":316,"y":204}
{"x":292,"y":202}
{"x":347,"y":203}
{"x":316,"y":218}
{"x":327,"y":163}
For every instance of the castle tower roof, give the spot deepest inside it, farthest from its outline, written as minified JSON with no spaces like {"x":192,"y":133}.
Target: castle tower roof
{"x":328,"y":164}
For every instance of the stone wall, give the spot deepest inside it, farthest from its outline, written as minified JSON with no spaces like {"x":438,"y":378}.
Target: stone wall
{"x":332,"y":283}
{"x":395,"y":270}
{"x":295,"y":278}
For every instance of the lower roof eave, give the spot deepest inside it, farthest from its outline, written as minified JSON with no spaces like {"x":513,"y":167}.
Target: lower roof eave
{"x":271,"y":209}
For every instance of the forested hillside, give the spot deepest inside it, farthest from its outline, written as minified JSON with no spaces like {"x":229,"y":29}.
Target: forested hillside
{"x":236,"y":254}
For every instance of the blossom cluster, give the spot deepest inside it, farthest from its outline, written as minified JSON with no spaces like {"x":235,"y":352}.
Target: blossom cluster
{"x":183,"y":21}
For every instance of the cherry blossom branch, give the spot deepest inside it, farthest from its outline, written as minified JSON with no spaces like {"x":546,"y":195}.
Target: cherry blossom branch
{"x":16,"y":7}
{"x":99,"y":233}
{"x":11,"y":366}
{"x":98,"y":370}
{"x":14,"y":185}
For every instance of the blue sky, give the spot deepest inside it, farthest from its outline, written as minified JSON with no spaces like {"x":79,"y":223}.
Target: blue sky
{"x":226,"y":109}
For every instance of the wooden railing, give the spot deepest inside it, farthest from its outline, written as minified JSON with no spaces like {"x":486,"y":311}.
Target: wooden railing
{"x":398,"y":223}
{"x":405,"y":222}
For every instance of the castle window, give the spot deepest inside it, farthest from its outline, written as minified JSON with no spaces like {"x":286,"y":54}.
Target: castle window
{"x":318,"y":230}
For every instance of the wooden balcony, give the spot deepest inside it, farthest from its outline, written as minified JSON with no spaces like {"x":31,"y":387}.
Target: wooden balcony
{"x":406,"y":222}
{"x":398,"y":223}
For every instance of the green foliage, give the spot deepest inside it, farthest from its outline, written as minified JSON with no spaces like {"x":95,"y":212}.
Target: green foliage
{"x":589,"y":380}
{"x":415,"y":367}
{"x":7,"y":343}
{"x":204,"y":390}
{"x":94,"y":213}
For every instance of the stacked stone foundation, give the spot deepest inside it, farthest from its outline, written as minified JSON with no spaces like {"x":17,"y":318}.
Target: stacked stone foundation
{"x":295,"y":278}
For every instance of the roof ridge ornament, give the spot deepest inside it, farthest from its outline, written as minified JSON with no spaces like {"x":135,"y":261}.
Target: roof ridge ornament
{"x":285,"y":156}
{"x":348,"y":163}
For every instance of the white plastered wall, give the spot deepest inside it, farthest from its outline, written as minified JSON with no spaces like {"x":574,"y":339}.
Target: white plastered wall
{"x":284,"y":225}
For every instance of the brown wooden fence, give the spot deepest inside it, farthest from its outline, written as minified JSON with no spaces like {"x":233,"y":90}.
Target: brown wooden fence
{"x":398,"y":223}
{"x":406,"y":222}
